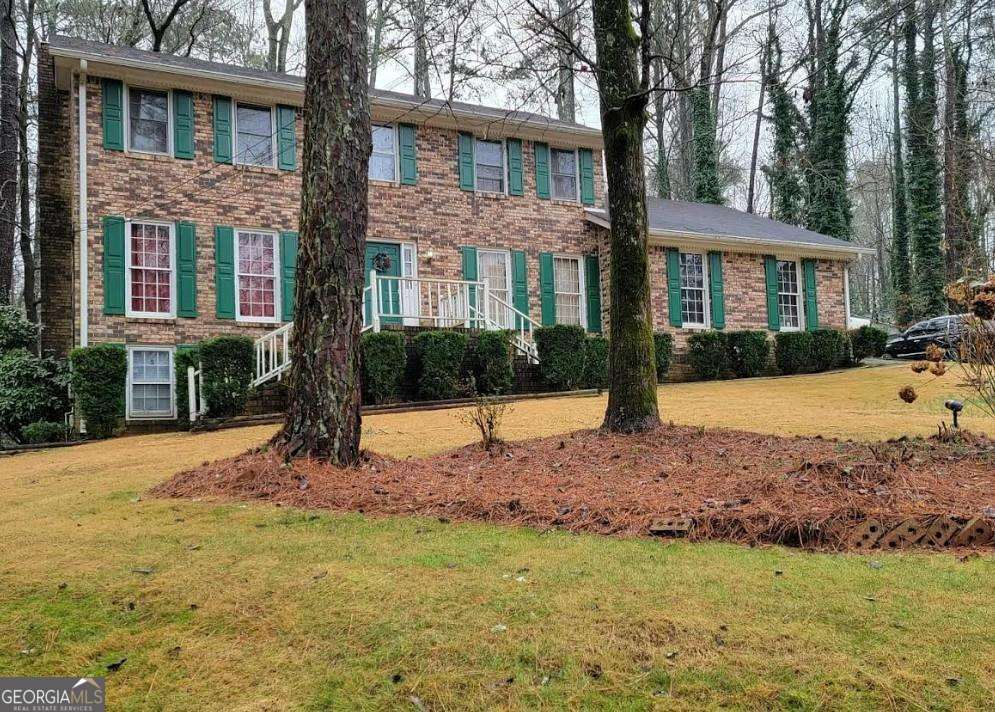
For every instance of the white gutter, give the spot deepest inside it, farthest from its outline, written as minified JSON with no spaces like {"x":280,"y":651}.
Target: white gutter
{"x":84,"y":276}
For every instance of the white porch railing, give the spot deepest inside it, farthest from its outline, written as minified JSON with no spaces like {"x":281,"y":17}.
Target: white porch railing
{"x":196,"y":403}
{"x":412,"y":301}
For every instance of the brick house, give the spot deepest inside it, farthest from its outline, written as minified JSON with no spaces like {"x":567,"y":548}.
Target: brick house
{"x":168,"y":207}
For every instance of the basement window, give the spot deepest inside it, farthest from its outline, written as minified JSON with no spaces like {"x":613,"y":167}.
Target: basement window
{"x":150,"y":383}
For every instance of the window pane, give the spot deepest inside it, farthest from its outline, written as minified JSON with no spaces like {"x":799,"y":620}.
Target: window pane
{"x":692,"y":289}
{"x":489,"y":157}
{"x":383,"y":139}
{"x":787,"y":294}
{"x":256,"y":275}
{"x":564,"y":162}
{"x":148,"y":117}
{"x":150,"y":272}
{"x":255,"y":135}
{"x":564,"y":187}
{"x":381,"y":167}
{"x":151,"y":385}
{"x":566,"y":285}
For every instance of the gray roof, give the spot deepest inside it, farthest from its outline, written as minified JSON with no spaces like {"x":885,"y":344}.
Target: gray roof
{"x":717,"y":221}
{"x":129,"y":55}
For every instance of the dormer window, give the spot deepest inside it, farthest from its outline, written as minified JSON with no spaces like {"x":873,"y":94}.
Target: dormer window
{"x":489,"y":168}
{"x":254,"y":135}
{"x":148,"y":120}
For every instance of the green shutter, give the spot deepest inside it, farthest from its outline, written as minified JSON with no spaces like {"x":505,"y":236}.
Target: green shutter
{"x":113,"y":265}
{"x":288,"y":274}
{"x":592,"y":283}
{"x":222,"y":129}
{"x":811,"y":300}
{"x":113,"y":114}
{"x":469,"y":255}
{"x":586,"y":177}
{"x":466,"y":161}
{"x":183,"y":124}
{"x":770,"y":273}
{"x":547,"y":290}
{"x":224,"y":271}
{"x":186,"y":269}
{"x":717,"y":290}
{"x":516,"y":181}
{"x":519,"y":284}
{"x":674,"y":287}
{"x":286,"y":138}
{"x":542,"y":169}
{"x":408,"y":154}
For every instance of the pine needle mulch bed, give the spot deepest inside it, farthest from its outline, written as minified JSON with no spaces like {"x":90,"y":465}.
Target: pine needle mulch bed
{"x":678,"y":481}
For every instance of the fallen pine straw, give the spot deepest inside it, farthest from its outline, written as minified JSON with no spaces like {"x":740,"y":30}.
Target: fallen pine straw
{"x":733,"y":485}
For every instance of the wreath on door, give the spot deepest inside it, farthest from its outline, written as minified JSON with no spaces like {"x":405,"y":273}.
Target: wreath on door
{"x":381,"y":262}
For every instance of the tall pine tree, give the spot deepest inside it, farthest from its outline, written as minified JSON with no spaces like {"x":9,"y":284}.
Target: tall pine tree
{"x":706,"y":174}
{"x":901,"y":264}
{"x":786,"y":190}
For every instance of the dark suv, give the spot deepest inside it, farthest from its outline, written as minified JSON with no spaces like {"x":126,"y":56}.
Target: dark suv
{"x":944,"y":331}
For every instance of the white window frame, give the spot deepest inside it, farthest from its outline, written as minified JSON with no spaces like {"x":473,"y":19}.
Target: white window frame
{"x":509,"y":282}
{"x":706,"y":289}
{"x":128,"y":311}
{"x":127,"y":120}
{"x":272,"y":134}
{"x":397,"y":154}
{"x":800,"y":294}
{"x":276,"y":279}
{"x":581,"y":282}
{"x":130,"y":413}
{"x":504,"y":167}
{"x":552,"y":183}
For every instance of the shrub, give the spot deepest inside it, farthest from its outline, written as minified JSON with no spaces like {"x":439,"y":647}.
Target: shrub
{"x":663,"y":343}
{"x":867,"y":342}
{"x":384,"y":361}
{"x":596,"y":362}
{"x":793,"y":351}
{"x":184,"y":358}
{"x":99,"y":374}
{"x":16,"y":332}
{"x":31,"y":389}
{"x":44,"y":431}
{"x":829,"y":349}
{"x":486,"y":416}
{"x":561,"y":355}
{"x":708,"y":354}
{"x":489,"y":362}
{"x":228,"y":365}
{"x":440,"y":356}
{"x":749,"y":353}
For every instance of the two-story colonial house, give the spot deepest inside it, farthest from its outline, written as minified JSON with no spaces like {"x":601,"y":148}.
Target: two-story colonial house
{"x":169,"y":194}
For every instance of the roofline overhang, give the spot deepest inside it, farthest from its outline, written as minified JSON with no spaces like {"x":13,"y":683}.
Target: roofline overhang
{"x":383,"y":108}
{"x":659,"y":237}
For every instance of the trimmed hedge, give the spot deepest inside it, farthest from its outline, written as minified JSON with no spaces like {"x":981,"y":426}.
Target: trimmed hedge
{"x":31,"y":389}
{"x":663,"y":344}
{"x":793,"y":351}
{"x":708,"y":354}
{"x":489,"y":361}
{"x":384,"y":361}
{"x":99,"y":374}
{"x":16,"y":332}
{"x":596,"y":362}
{"x":181,"y":360}
{"x":561,"y":355}
{"x":829,"y":349}
{"x":749,"y":353}
{"x":440,"y":357}
{"x":228,"y":365}
{"x":868,"y":342}
{"x":44,"y":431}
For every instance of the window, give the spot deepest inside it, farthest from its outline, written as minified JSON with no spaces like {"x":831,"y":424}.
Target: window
{"x":256,"y":260}
{"x":150,"y":270}
{"x":383,"y":160}
{"x":788,"y":301}
{"x":568,"y":289}
{"x":148,"y":120}
{"x":693,"y":289}
{"x":489,"y":168}
{"x":564,"y":174}
{"x":254,"y":135}
{"x":150,"y":382}
{"x":494,"y":269}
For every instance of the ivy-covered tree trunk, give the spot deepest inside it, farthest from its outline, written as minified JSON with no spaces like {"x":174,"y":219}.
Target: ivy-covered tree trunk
{"x":963,"y":254}
{"x":786,"y":191}
{"x":323,"y":417}
{"x":901,"y":265}
{"x":707,"y":188}
{"x":632,"y":405}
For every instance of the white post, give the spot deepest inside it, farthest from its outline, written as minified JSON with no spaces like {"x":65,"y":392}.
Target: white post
{"x":487,"y":307}
{"x":466,"y":302}
{"x":202,"y":405}
{"x":374,"y":301}
{"x":192,"y":393}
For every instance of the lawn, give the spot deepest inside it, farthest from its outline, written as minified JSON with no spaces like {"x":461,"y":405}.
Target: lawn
{"x":240,"y":606}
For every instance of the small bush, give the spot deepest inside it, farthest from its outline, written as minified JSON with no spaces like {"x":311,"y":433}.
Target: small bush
{"x":793,"y":351}
{"x":384,"y":361}
{"x":561,"y":355}
{"x":31,"y":389}
{"x":830,"y":349}
{"x":228,"y":365}
{"x":868,"y":342}
{"x":440,"y":355}
{"x":489,"y":362}
{"x":99,"y":374}
{"x":181,"y":361}
{"x":44,"y":431}
{"x":596,"y":362}
{"x":749,"y":353}
{"x":16,"y":332}
{"x":663,"y":343}
{"x":486,"y":416}
{"x":708,"y":354}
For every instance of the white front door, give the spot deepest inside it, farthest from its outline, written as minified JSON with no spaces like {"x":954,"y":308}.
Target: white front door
{"x":494,"y":269}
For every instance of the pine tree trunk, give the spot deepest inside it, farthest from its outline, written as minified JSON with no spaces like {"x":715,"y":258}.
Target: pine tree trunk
{"x":901,"y":266}
{"x":566,"y":108}
{"x":24,"y":160}
{"x":323,"y":417}
{"x":423,"y":84}
{"x":8,"y":148}
{"x":632,"y":404}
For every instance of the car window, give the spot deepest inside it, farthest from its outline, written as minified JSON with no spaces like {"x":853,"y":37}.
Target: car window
{"x":939,"y":324}
{"x":918,"y":328}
